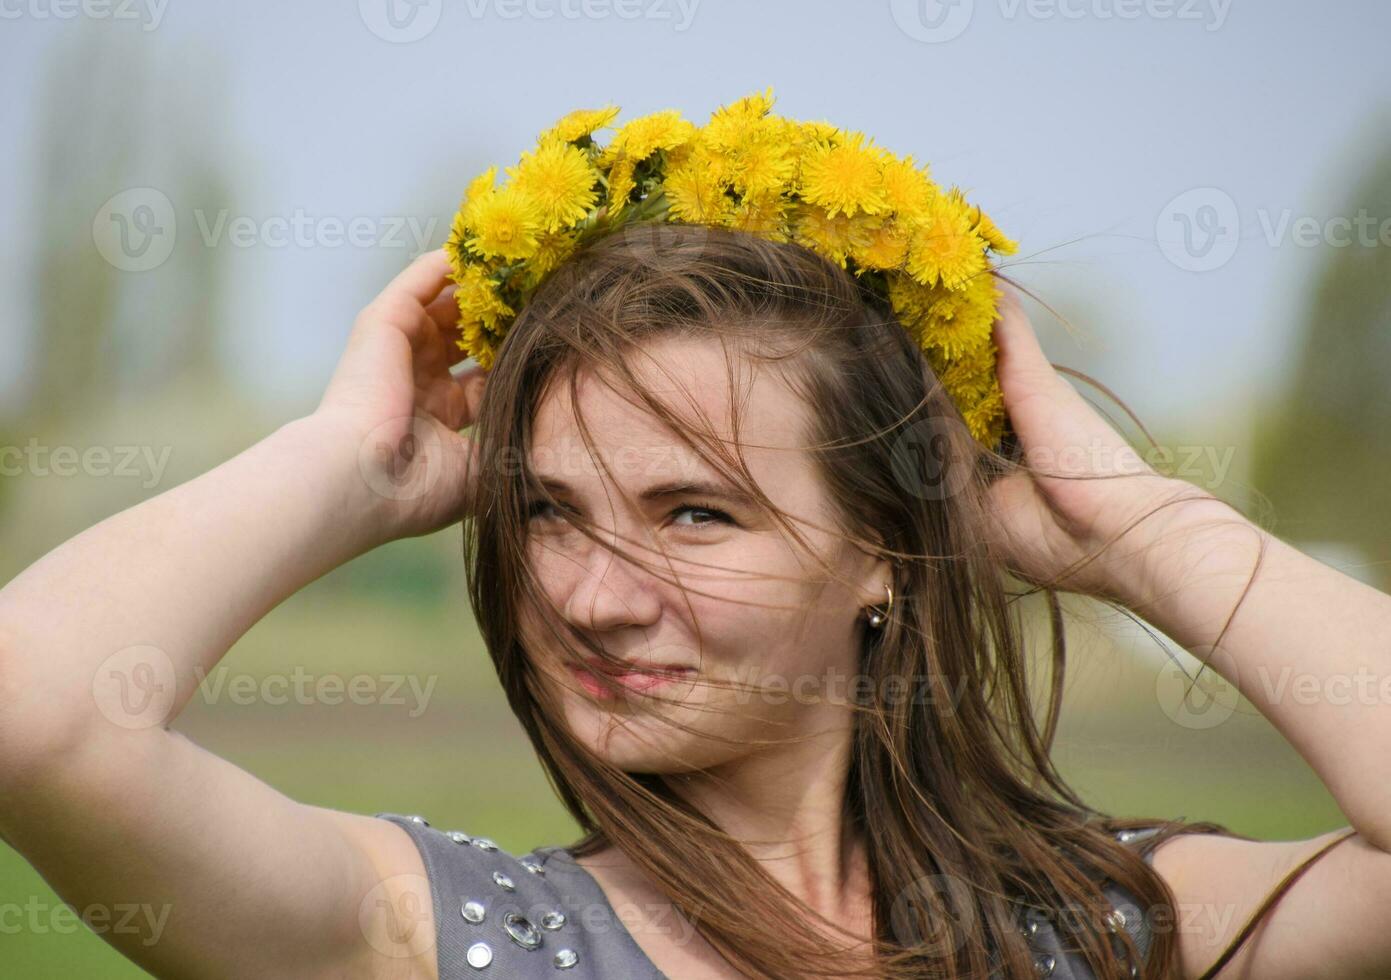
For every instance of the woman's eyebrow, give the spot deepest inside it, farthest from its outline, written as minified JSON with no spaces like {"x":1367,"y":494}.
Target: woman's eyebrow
{"x":675,"y":488}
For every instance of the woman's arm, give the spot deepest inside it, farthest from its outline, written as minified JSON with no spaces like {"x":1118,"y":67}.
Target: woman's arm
{"x":102,"y":642}
{"x":1308,"y":646}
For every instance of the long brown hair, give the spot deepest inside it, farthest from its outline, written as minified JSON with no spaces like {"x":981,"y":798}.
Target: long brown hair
{"x":966,"y":822}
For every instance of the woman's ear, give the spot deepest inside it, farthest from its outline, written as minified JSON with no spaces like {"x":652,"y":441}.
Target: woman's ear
{"x":876,"y":574}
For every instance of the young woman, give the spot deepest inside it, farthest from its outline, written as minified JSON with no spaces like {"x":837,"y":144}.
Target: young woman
{"x":738,"y":565}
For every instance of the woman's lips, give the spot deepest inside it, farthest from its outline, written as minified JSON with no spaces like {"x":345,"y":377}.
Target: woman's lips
{"x":633,"y":680}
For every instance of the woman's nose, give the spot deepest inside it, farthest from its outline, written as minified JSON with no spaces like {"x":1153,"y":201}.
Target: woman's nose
{"x":609,"y":591}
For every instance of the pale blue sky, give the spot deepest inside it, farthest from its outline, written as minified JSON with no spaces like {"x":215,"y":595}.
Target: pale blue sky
{"x":1073,"y":125}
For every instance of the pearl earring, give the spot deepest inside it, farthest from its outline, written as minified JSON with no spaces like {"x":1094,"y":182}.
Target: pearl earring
{"x":877,"y":618}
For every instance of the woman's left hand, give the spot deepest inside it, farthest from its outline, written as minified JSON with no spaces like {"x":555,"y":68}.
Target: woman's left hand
{"x":1042,"y":525}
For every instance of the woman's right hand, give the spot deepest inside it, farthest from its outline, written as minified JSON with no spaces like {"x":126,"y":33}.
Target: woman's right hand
{"x":397,"y":404}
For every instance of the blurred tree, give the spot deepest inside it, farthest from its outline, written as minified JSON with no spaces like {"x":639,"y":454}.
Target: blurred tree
{"x":1323,"y":450}
{"x":101,"y":328}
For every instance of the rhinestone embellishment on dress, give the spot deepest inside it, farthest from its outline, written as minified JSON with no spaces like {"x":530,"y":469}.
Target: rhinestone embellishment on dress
{"x":479,"y":955}
{"x":523,"y":933}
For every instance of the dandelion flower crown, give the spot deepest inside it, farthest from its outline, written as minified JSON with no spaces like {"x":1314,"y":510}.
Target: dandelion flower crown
{"x":924,"y":250}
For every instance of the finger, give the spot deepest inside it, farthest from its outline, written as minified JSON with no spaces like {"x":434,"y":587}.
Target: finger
{"x":444,"y":312}
{"x":423,"y":279}
{"x":444,"y":308}
{"x":445,"y":401}
{"x":471,"y":382}
{"x":454,"y":401}
{"x":1059,"y":430}
{"x":402,"y":305}
{"x":1020,"y":352}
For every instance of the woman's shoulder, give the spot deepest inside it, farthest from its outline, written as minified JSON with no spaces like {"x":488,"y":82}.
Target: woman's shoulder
{"x":522,"y":915}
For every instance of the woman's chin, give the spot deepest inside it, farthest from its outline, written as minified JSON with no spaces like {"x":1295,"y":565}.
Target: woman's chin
{"x":635,"y":742}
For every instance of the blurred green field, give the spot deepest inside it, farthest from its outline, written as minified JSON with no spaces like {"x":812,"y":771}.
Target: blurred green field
{"x":464,"y":763}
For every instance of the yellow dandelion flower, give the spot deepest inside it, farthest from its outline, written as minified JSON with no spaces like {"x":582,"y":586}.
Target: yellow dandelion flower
{"x":978,"y":368}
{"x":454,"y":246}
{"x":695,"y":194}
{"x":914,"y":305}
{"x":845,"y":177}
{"x":620,"y":183}
{"x":995,"y":238}
{"x":956,"y":322}
{"x":734,"y":123}
{"x":761,"y":164}
{"x":559,"y":178}
{"x":757,"y":105}
{"x":481,"y":187}
{"x":504,"y":224}
{"x":552,"y":248}
{"x":966,"y":379}
{"x":962,"y":334}
{"x":719,"y":162}
{"x":817,"y":131}
{"x":983,"y":292}
{"x":976,"y":297}
{"x":477,"y":344}
{"x":906,"y":186}
{"x":943,"y":246}
{"x":909,"y":298}
{"x":834,"y":236}
{"x":763,"y":215}
{"x":641,"y":137}
{"x":801,"y":138}
{"x":886,"y":244}
{"x":981,"y":224}
{"x":985,"y":419}
{"x":677,"y":156}
{"x":478,"y":299}
{"x":579,"y":124}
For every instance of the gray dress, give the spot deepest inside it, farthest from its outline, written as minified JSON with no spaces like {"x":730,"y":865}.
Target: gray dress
{"x":543,"y":915}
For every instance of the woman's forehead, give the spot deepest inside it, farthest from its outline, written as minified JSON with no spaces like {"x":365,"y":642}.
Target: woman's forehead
{"x":692,"y":380}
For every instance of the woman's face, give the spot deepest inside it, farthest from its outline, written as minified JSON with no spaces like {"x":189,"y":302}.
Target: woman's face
{"x":758,"y":611}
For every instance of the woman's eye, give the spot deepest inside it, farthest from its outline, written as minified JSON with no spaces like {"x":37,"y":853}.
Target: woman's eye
{"x":538,"y":509}
{"x":541,"y":508}
{"x":720,"y":517}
